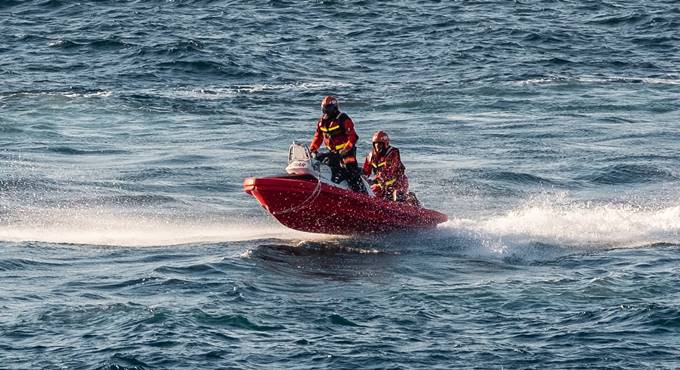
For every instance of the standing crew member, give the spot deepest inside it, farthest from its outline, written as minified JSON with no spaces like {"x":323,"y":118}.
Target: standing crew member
{"x":384,"y":162}
{"x":336,"y":130}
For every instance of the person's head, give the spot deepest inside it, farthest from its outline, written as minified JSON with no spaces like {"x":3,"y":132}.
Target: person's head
{"x":380,"y":142}
{"x":329,"y":106}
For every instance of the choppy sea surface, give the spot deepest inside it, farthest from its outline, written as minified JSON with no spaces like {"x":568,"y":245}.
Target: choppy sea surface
{"x":548,"y":131}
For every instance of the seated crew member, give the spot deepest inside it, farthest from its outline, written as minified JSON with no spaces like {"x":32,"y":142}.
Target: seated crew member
{"x":384,"y":162}
{"x":336,"y":130}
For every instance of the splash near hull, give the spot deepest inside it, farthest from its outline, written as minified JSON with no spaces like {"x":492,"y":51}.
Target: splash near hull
{"x":303,"y":203}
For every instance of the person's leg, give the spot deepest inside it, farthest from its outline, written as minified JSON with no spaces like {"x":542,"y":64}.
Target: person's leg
{"x":354,"y":178}
{"x":349,"y":161}
{"x":334,"y":161}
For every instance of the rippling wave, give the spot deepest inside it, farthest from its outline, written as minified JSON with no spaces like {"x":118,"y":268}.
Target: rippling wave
{"x":547,"y":131}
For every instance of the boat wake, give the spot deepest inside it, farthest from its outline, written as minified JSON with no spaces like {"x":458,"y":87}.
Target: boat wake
{"x":537,"y":230}
{"x":546,"y":229}
{"x":114,"y":227}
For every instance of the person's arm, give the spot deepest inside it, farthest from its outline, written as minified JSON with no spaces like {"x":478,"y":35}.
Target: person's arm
{"x":351,"y":134}
{"x":317,"y":140}
{"x":367,"y":166}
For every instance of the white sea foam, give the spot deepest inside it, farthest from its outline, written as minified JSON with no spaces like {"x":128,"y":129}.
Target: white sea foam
{"x":95,"y":94}
{"x":217,"y":93}
{"x":206,"y":93}
{"x":668,"y":80}
{"x":487,"y":117}
{"x":575,"y":224}
{"x":100,"y":227}
{"x":65,"y":94}
{"x":302,"y":86}
{"x":56,"y":43}
{"x":198,"y":94}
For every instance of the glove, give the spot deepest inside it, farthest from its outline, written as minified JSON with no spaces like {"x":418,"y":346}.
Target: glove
{"x":314,"y":154}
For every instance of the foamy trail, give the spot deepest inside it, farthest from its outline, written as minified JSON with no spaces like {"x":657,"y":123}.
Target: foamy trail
{"x":98,"y":227}
{"x":583,"y":224}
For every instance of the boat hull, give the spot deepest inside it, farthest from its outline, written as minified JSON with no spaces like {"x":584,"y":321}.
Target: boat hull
{"x":305,"y":204}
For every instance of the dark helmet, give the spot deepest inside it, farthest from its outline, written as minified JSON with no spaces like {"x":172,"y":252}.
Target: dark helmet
{"x":329,"y":105}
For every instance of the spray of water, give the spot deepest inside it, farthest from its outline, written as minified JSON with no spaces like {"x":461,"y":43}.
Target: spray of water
{"x":560,"y":222}
{"x":117,"y":228}
{"x":548,"y":220}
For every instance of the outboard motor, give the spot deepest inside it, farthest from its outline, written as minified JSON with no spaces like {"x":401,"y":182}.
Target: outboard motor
{"x":300,"y":160}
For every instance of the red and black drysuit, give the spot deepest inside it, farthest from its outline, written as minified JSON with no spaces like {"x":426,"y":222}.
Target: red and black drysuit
{"x":337,"y":133}
{"x":390,"y":179}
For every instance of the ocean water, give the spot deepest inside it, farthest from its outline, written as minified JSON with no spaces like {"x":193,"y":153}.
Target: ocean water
{"x":548,"y":131}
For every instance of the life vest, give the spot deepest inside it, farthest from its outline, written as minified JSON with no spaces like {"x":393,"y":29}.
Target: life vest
{"x":334,"y":132}
{"x":378,"y":163}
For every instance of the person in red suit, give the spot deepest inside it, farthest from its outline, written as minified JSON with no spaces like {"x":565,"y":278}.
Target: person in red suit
{"x":389,"y":180}
{"x":336,"y":131}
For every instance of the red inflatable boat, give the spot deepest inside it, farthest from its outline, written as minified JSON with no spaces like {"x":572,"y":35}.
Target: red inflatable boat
{"x":305,"y":199}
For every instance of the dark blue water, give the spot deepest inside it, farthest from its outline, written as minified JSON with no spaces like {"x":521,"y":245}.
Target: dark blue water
{"x":548,"y":131}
